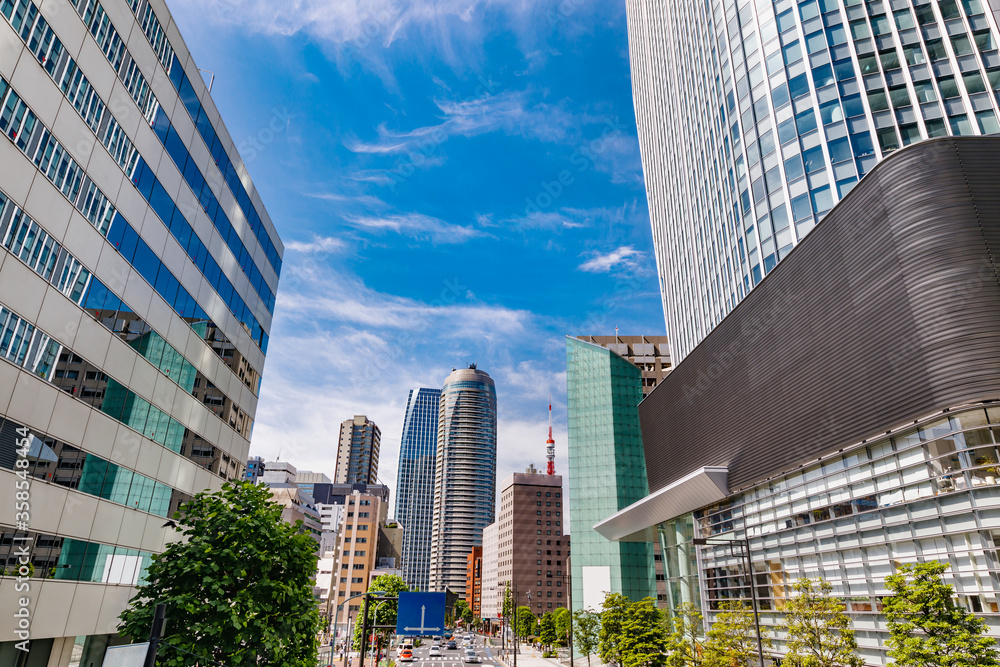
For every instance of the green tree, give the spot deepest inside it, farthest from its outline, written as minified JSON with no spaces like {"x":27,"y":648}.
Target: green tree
{"x":927,"y":627}
{"x":586,"y":632}
{"x":383,"y":612}
{"x":464,"y":612}
{"x":819,"y":632}
{"x":614,"y":611}
{"x":684,"y":645}
{"x":547,"y":630}
{"x":508,"y":602}
{"x":563,"y":620}
{"x":732,"y":639}
{"x":644,"y":635}
{"x":238,"y":585}
{"x":527,"y":624}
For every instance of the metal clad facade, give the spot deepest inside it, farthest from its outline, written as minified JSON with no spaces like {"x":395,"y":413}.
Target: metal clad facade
{"x":888,"y":312}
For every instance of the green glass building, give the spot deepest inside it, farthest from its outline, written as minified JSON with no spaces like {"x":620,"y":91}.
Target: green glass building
{"x":607,"y":473}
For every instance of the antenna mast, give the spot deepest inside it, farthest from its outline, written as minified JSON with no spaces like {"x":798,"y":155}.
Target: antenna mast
{"x":550,"y":446}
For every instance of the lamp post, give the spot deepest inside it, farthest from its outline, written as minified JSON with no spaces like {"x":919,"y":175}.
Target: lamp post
{"x":745,"y":554}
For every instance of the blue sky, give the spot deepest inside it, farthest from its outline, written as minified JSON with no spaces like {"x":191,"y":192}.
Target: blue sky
{"x":454,"y":182}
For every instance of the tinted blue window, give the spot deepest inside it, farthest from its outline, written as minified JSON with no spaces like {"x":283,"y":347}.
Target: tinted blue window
{"x":146,"y":262}
{"x":175,"y":147}
{"x":801,"y":208}
{"x":844,"y":69}
{"x":161,"y":125}
{"x":786,"y":21}
{"x":161,"y":202}
{"x":840,"y":150}
{"x":786,"y":131}
{"x":853,"y":106}
{"x":799,"y":86}
{"x":805,"y":121}
{"x":129,"y":240}
{"x":793,"y":168}
{"x":862,"y":144}
{"x":823,"y":76}
{"x":814,"y":159}
{"x":143,"y":178}
{"x":780,"y":96}
{"x":166,"y":285}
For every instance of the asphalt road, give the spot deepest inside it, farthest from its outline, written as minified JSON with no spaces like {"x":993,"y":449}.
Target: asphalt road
{"x":451,"y":657}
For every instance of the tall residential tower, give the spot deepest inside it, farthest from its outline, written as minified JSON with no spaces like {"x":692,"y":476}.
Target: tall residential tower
{"x":415,"y":484}
{"x":357,"y":452}
{"x":756,"y":118}
{"x":464,"y":474}
{"x":138,"y":273}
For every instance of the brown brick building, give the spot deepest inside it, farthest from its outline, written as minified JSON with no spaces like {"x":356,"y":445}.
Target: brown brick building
{"x":532,"y":551}
{"x":474,"y":582}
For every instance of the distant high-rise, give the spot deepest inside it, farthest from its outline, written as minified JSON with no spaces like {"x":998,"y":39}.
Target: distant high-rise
{"x":464,"y":474}
{"x":755,"y":119}
{"x":357,"y":453}
{"x":532,"y":552}
{"x":607,"y":472}
{"x":415,"y":484}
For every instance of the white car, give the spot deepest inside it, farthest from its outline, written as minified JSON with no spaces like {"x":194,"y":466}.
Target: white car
{"x":435,"y":650}
{"x":472,"y":656}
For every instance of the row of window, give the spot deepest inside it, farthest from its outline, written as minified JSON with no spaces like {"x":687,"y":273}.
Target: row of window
{"x":64,"y":558}
{"x":94,"y":17}
{"x":27,"y":346}
{"x":65,"y":465}
{"x":25,"y":239}
{"x":33,"y":28}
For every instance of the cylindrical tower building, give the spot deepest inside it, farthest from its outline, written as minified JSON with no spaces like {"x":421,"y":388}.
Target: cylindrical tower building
{"x":464,"y":474}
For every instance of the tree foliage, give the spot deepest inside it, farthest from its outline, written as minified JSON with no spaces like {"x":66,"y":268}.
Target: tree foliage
{"x":586,"y":632}
{"x":614,"y":611}
{"x":644,"y":635}
{"x":685,"y":644}
{"x":819,"y":632}
{"x":384,"y":612}
{"x":927,"y":626}
{"x":563,"y":621}
{"x":527,"y":624}
{"x":732,"y":639}
{"x":547,"y":630}
{"x":464,"y":611}
{"x":238,"y":586}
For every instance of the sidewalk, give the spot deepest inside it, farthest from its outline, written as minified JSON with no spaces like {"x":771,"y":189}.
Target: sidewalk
{"x":526,"y":657}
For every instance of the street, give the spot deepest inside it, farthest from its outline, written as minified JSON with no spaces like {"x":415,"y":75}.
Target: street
{"x":454,"y":657}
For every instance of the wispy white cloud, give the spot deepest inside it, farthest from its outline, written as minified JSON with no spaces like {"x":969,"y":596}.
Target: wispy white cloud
{"x":512,"y":112}
{"x":417,"y":225}
{"x":318,"y":244}
{"x":567,"y":218}
{"x":364,"y":200}
{"x":625,"y":257}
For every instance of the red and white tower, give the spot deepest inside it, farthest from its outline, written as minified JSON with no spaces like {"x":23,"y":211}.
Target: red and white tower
{"x":550,"y":446}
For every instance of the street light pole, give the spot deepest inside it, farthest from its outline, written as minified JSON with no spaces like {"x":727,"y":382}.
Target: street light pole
{"x":745,"y":553}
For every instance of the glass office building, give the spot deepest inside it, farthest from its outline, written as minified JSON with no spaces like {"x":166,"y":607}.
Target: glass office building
{"x":756,"y":117}
{"x":137,"y":284}
{"x":415,"y":484}
{"x":607,"y":472}
{"x":465,"y":475}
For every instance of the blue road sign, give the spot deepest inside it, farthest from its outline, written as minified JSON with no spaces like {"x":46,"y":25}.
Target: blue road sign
{"x":420,"y":614}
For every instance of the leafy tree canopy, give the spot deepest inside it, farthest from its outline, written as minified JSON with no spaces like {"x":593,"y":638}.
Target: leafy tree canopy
{"x":819,"y":632}
{"x":614,"y":611}
{"x":238,"y":586}
{"x":927,"y":626}
{"x":380,"y":612}
{"x":685,"y":644}
{"x":732,"y":639}
{"x":586,"y":631}
{"x":644,"y":636}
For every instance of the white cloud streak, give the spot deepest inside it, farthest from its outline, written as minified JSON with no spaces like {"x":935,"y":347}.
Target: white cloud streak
{"x":625,"y":257}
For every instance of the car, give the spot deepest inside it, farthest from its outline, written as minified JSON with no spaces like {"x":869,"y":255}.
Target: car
{"x":452,"y":645}
{"x":435,"y":650}
{"x":406,"y":655}
{"x":471,"y":656}
{"x":436,"y":638}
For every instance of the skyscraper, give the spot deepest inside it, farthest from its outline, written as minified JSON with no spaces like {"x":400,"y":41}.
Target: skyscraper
{"x":465,"y":474}
{"x":607,"y":472}
{"x":357,"y":452}
{"x":415,"y":484}
{"x":754,"y":121}
{"x":137,"y":281}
